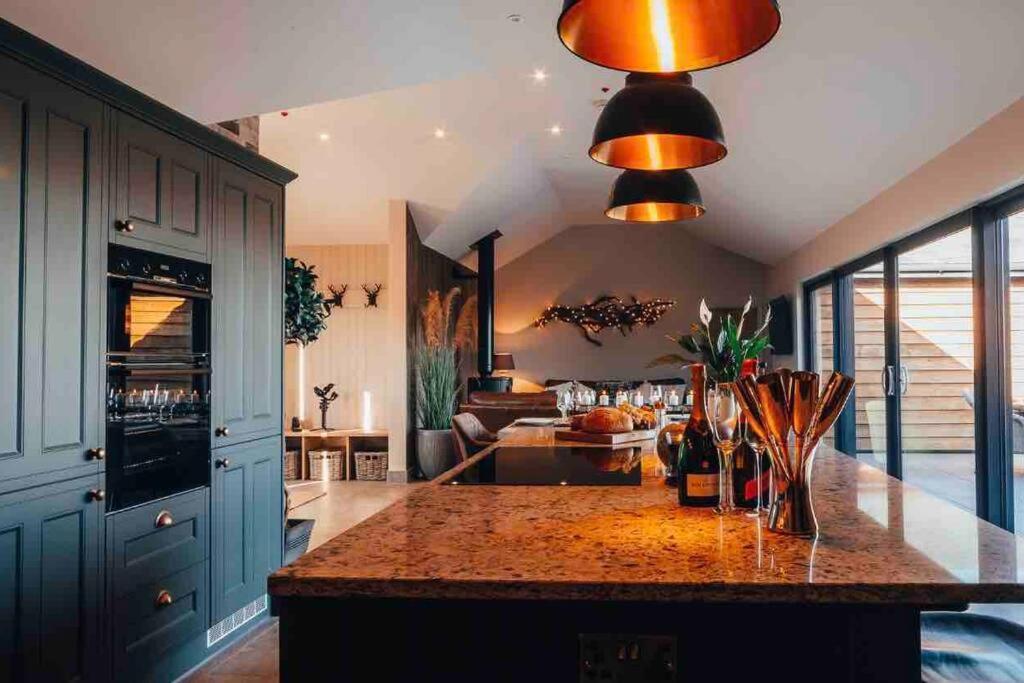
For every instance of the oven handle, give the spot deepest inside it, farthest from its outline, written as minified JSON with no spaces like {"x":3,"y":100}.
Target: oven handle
{"x":172,"y":290}
{"x":156,"y":372}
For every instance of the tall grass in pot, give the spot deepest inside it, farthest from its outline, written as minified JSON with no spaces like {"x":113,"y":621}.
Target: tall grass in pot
{"x":436,"y":363}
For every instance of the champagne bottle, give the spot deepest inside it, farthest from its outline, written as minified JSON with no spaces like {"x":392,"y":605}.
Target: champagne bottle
{"x":698,"y":458}
{"x":747,"y":478}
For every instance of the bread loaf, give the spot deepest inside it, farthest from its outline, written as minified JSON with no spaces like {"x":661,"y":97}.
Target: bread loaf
{"x":607,"y":421}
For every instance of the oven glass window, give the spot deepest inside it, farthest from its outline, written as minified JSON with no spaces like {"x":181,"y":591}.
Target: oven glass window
{"x":159,"y":323}
{"x":158,"y":433}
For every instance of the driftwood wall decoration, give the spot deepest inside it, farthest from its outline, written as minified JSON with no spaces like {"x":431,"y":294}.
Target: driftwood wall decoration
{"x":607,"y":312}
{"x":372,"y":292}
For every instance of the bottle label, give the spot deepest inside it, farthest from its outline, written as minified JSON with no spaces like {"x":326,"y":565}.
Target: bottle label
{"x":701,"y":485}
{"x":750,"y":490}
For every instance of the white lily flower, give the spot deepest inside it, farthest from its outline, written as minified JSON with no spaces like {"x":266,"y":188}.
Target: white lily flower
{"x":705,"y":313}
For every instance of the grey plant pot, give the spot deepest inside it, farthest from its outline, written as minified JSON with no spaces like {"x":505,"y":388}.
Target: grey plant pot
{"x":434,"y":451}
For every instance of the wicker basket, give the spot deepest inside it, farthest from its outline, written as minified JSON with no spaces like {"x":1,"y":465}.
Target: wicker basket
{"x":291,"y":465}
{"x":333,"y":461}
{"x":371,"y":466}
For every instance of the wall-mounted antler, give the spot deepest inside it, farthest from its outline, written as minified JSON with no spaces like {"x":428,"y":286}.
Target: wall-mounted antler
{"x":337,"y":299}
{"x":372,"y":293}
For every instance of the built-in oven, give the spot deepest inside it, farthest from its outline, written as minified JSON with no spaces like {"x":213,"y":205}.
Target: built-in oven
{"x":158,"y":376}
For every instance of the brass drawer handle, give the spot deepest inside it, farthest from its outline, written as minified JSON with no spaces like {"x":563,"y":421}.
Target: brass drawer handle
{"x":124,"y":226}
{"x":96,"y":495}
{"x":164,"y":519}
{"x":164,"y":599}
{"x":96,"y":453}
{"x":222,"y":463}
{"x":221,"y":431}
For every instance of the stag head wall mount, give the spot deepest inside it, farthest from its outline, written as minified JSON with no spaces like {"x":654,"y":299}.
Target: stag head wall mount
{"x":372,"y":292}
{"x":337,"y":298}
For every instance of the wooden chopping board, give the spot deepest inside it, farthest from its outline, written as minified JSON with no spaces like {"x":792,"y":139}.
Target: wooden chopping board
{"x":607,"y":439}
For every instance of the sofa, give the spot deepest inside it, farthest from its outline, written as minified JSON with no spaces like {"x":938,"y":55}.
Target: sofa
{"x":496,"y":410}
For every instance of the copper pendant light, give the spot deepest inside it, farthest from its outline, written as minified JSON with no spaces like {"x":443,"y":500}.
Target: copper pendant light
{"x":666,"y":36}
{"x":655,"y":197}
{"x":658,"y":122}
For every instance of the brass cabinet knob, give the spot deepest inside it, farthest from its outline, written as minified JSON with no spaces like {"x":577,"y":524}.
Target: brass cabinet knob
{"x":221,"y":431}
{"x":222,"y":462}
{"x":96,"y":453}
{"x":164,"y":599}
{"x":164,"y":519}
{"x":96,"y":495}
{"x":124,"y":226}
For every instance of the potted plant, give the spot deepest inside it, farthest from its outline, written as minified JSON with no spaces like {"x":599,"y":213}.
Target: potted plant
{"x":723,"y":353}
{"x":436,"y":365}
{"x":305,"y":310}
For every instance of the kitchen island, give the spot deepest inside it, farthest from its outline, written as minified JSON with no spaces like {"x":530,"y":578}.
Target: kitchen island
{"x":507,"y":582}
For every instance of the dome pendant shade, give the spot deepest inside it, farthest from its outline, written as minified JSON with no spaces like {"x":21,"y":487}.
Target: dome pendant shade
{"x":658,"y":122}
{"x":655,"y":197}
{"x":666,"y":36}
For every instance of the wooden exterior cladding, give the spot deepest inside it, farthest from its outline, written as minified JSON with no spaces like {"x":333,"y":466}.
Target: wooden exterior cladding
{"x":937,"y":348}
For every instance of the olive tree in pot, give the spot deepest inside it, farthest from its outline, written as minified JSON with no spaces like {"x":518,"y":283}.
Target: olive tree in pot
{"x":437,"y":377}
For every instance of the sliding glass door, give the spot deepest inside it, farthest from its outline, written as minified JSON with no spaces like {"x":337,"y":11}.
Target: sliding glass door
{"x":868,"y":341}
{"x":935,"y":372}
{"x":902,"y":324}
{"x":932,"y":328}
{"x":1014,"y":222}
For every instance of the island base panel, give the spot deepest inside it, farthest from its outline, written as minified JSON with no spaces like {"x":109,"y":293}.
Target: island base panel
{"x":329,"y":639}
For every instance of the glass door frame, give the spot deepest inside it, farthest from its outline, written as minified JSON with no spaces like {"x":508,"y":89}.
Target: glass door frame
{"x":991,"y":309}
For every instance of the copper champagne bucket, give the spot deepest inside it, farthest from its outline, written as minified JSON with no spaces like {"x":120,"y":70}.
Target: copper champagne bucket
{"x":777,"y":404}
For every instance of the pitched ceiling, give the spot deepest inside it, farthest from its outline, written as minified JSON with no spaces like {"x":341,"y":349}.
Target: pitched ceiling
{"x":847,"y":99}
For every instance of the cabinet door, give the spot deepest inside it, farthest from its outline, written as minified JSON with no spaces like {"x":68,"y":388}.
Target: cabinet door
{"x":248,"y":330}
{"x":50,"y":582}
{"x":52,"y":265}
{"x":161,"y":192}
{"x":247,"y":525}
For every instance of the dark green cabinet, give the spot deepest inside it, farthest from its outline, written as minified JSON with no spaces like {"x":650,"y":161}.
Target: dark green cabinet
{"x":246,"y":523}
{"x":247,"y":318}
{"x":51,"y":568}
{"x":52,"y":266}
{"x":161,"y":191}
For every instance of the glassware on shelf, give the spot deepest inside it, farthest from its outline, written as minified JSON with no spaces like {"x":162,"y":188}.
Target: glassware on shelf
{"x":723,"y":415}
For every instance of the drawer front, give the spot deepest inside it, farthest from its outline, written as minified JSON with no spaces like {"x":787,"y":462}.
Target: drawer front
{"x":158,"y":617}
{"x":156,"y":539}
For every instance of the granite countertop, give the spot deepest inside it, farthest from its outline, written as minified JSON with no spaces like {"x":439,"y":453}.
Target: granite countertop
{"x":881,"y":541}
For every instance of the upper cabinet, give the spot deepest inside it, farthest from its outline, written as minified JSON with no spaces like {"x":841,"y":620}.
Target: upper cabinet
{"x":248,"y":274}
{"x":161,"y":191}
{"x":52,"y":266}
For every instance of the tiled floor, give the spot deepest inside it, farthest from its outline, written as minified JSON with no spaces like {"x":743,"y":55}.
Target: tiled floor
{"x":336,"y":506}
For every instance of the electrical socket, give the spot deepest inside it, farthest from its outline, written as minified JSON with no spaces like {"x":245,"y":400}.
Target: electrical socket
{"x":627,"y":658}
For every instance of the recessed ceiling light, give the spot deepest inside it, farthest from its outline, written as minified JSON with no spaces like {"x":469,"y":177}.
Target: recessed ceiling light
{"x":540,"y":75}
{"x":440,"y":133}
{"x":324,"y":137}
{"x":555,"y":129}
{"x":515,"y":18}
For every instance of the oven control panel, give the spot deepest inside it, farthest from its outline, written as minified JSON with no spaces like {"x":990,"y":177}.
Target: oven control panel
{"x":137,"y":264}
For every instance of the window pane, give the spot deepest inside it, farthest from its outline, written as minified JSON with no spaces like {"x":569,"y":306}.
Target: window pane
{"x":869,"y":359}
{"x":936,"y":375}
{"x":1016,"y":240}
{"x":821,"y":332}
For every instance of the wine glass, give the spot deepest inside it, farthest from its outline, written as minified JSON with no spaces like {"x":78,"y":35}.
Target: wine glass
{"x":758,"y":445}
{"x":564,"y":403}
{"x":723,"y":413}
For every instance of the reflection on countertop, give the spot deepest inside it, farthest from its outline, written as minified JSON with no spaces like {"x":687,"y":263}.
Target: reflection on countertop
{"x":881,"y":541}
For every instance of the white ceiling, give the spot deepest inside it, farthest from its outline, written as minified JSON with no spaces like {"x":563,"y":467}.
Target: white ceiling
{"x":848,"y":98}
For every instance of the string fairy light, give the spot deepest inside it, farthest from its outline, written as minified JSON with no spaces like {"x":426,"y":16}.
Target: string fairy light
{"x":606,"y":312}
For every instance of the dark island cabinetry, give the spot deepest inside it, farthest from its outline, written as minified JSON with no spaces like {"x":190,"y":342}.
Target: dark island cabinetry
{"x":150,"y":591}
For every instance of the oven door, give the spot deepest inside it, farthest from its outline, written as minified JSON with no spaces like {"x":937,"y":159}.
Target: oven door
{"x":158,"y":431}
{"x":152,"y":322}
